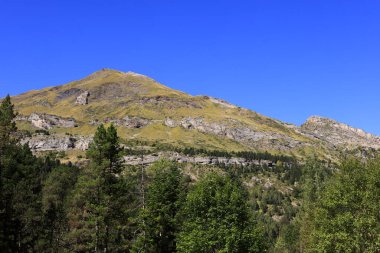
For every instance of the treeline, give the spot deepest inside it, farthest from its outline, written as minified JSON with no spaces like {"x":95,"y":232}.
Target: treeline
{"x":46,"y":206}
{"x":191,"y":151}
{"x":248,"y":155}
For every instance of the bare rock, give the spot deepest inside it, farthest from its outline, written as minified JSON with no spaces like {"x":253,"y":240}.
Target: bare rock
{"x":82,"y":143}
{"x":47,"y":121}
{"x":336,"y":133}
{"x":221,"y":102}
{"x":49,"y":143}
{"x":138,"y":160}
{"x":39,"y":143}
{"x":128,"y":121}
{"x":170,"y":122}
{"x":135,"y":122}
{"x":239,"y":132}
{"x":82,"y":99}
{"x":202,"y":160}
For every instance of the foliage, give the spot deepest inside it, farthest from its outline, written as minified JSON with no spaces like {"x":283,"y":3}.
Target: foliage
{"x":158,"y":218}
{"x":216,"y":218}
{"x":7,"y":124}
{"x":98,"y":207}
{"x":346,"y":215}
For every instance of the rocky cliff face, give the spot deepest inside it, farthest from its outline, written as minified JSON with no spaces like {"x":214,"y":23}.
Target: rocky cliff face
{"x":47,"y":121}
{"x":339,"y":134}
{"x":239,"y":132}
{"x":40,"y":143}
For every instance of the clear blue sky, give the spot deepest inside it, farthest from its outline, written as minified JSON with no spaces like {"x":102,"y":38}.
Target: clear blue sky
{"x":285,"y":59}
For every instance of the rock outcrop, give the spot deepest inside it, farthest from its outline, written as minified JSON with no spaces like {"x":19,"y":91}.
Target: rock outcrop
{"x":339,"y":134}
{"x":237,"y":131}
{"x":82,"y":99}
{"x":221,"y":102}
{"x":203,"y":160}
{"x":40,"y":143}
{"x":48,"y":121}
{"x":128,"y":122}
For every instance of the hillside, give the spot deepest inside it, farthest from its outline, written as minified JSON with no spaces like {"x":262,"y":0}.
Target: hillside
{"x":145,"y":110}
{"x":206,"y":143}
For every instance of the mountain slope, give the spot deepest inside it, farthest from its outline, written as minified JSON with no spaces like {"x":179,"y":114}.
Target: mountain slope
{"x":339,"y":134}
{"x":148,"y":111}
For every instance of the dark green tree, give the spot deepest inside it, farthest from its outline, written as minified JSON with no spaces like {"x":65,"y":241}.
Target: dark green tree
{"x":56,"y":189}
{"x":21,"y":197}
{"x":158,"y":218}
{"x":98,"y":211}
{"x":217,"y":219}
{"x":7,"y":124}
{"x":21,"y":177}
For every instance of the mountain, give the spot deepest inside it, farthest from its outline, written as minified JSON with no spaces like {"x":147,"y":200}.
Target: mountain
{"x":146,"y":111}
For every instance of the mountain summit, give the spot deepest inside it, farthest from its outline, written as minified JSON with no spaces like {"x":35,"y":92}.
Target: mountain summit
{"x":145,"y":110}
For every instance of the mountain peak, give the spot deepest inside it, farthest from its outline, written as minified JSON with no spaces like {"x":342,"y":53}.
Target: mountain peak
{"x":315,"y":119}
{"x":106,"y":72}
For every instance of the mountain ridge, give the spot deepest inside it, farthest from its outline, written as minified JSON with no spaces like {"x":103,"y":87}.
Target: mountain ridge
{"x":146,"y":110}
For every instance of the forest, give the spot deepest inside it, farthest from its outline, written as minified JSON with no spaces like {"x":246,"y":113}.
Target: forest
{"x":105,"y":206}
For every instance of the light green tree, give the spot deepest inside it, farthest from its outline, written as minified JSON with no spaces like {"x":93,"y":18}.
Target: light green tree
{"x":346,"y":216}
{"x":216,"y":218}
{"x":158,"y":218}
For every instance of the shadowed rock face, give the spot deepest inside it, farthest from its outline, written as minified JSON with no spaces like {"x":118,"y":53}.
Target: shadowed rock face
{"x":337,"y":133}
{"x":67,"y":93}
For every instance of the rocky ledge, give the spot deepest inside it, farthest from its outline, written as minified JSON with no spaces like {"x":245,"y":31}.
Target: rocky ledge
{"x":40,"y":143}
{"x":128,"y":122}
{"x":203,"y":160}
{"x":238,"y":132}
{"x":337,"y":133}
{"x":48,"y":121}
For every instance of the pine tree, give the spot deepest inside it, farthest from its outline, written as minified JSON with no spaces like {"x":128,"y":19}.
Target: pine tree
{"x":56,"y":189}
{"x":7,"y":127}
{"x":7,"y":124}
{"x":98,"y":214}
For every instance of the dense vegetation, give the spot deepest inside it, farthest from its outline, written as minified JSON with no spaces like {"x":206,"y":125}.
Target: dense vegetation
{"x":46,"y":206}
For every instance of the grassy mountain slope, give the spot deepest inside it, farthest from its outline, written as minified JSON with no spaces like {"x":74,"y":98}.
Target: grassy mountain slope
{"x":115,"y":95}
